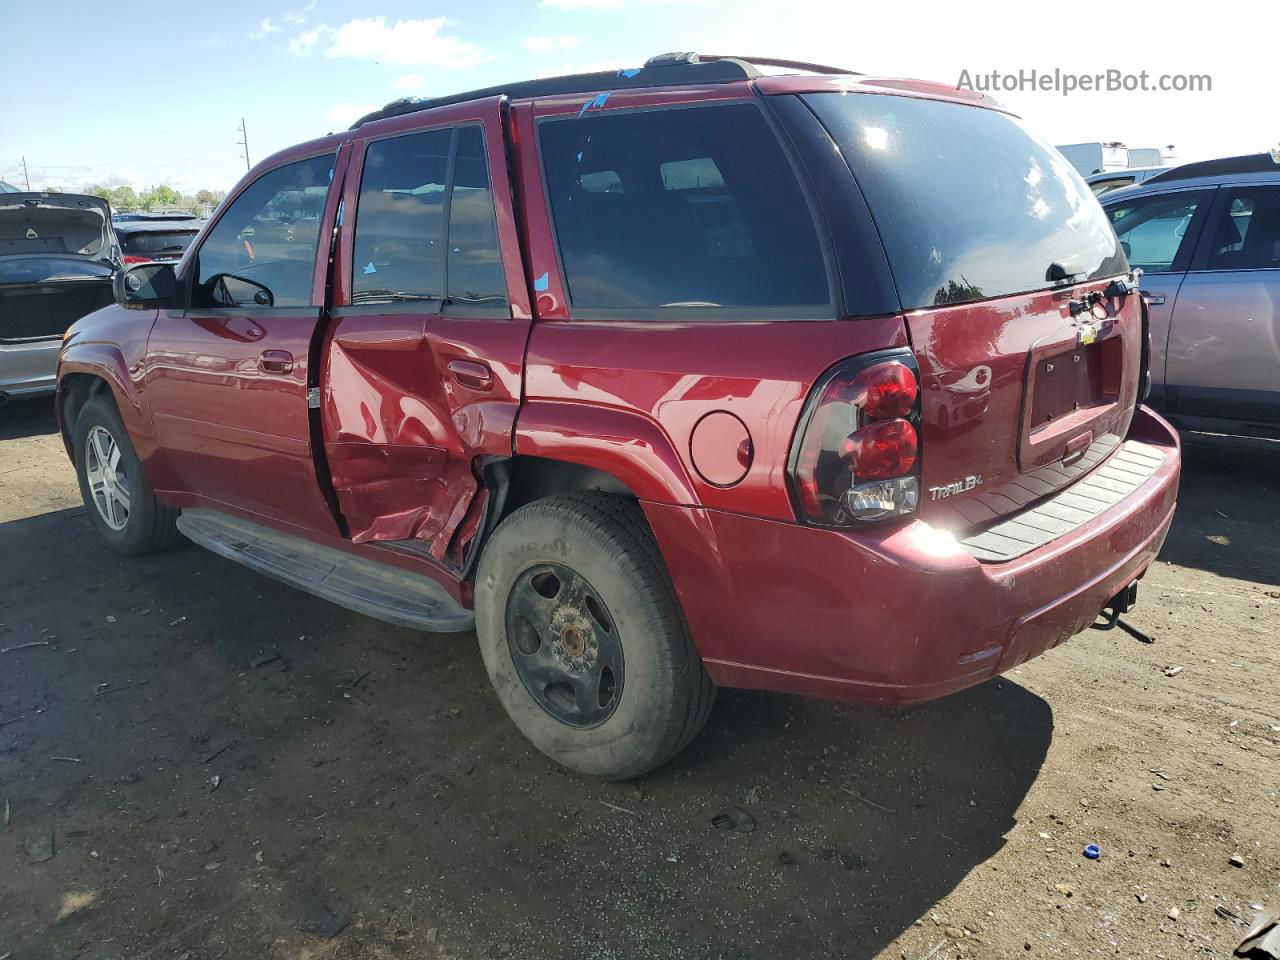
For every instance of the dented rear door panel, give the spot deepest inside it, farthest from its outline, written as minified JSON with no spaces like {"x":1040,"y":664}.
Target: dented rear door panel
{"x":417,"y":394}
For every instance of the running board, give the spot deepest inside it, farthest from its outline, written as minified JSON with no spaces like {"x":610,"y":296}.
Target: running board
{"x":357,"y":583}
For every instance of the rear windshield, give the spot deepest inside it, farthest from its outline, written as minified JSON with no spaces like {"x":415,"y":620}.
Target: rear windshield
{"x":39,"y":269}
{"x":969,"y":204}
{"x":155,"y":241}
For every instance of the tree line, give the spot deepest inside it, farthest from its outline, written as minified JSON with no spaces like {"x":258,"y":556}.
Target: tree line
{"x":163,"y":197}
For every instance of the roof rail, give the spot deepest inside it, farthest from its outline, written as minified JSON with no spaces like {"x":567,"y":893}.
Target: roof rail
{"x":1225,"y":166}
{"x":663,"y":70}
{"x":784,"y":64}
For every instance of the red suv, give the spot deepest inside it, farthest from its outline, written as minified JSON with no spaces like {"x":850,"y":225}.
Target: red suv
{"x":663,"y":380}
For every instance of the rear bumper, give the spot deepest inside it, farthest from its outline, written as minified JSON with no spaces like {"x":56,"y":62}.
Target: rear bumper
{"x":901,"y":615}
{"x":28,"y":368}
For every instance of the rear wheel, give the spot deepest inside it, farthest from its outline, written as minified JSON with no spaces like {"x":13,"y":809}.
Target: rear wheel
{"x":121,"y":507}
{"x":583,"y":639}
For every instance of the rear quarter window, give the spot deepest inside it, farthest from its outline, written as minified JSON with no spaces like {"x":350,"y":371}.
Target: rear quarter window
{"x":693,"y":208}
{"x":970,"y":206}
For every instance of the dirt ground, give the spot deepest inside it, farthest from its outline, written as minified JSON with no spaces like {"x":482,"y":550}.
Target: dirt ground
{"x":223,"y":767}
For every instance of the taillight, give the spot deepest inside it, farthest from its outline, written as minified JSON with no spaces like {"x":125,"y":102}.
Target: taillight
{"x":130,"y":259}
{"x":856,"y":455}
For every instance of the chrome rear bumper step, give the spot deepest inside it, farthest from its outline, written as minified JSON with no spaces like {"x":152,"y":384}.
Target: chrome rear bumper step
{"x":357,"y":583}
{"x":1129,"y":468}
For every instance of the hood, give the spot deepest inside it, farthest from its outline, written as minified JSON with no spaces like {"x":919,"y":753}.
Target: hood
{"x":58,"y":224}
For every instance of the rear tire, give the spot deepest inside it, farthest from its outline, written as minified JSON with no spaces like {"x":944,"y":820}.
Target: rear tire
{"x":583,"y":638}
{"x":121,"y":506}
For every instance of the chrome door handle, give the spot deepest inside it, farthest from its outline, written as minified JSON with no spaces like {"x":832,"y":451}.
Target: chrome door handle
{"x":474,"y":374}
{"x":275,"y":361}
{"x":1156,"y":298}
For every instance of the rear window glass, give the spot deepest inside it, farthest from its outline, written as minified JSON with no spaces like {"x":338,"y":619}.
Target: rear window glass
{"x":400,"y":219}
{"x":969,"y":204}
{"x":153,"y":241}
{"x":475,"y":258}
{"x":694,"y":207}
{"x":1246,"y":235}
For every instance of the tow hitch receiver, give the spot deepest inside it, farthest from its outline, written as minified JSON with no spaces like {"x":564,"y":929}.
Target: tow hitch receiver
{"x":1122,"y":603}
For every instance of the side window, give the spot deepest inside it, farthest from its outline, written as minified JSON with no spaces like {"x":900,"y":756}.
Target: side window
{"x":693,"y":207}
{"x":399,"y":226}
{"x":1152,"y":230}
{"x":475,"y":259}
{"x":1245,"y":234}
{"x":262,"y":251}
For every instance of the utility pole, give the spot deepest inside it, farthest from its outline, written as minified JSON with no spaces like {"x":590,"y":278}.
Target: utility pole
{"x":25,"y":176}
{"x":244,"y":142}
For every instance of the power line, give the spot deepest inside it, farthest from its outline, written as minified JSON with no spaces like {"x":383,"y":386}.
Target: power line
{"x":244,"y":142}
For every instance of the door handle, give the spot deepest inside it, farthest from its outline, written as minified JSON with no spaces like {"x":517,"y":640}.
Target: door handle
{"x":473,"y":374}
{"x":275,"y":361}
{"x":1156,"y":298}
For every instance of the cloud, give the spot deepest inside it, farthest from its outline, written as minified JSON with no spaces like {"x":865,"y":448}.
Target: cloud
{"x":265,"y":28}
{"x":410,"y":42}
{"x":582,"y":4}
{"x":299,"y":16}
{"x":305,"y":42}
{"x":547,"y":44}
{"x":409,"y":83}
{"x":343,"y":115}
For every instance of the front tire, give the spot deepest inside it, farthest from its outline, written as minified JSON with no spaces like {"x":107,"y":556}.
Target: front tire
{"x":583,"y":638}
{"x":121,"y":506}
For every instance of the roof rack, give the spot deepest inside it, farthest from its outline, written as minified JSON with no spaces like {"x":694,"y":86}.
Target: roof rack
{"x":663,"y":70}
{"x":1225,"y":166}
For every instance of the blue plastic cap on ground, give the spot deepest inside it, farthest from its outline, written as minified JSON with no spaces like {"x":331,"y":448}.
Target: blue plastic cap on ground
{"x":1093,"y":851}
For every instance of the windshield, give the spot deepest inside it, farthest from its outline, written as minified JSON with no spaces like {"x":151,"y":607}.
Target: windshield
{"x":156,"y":241}
{"x":969,"y":205}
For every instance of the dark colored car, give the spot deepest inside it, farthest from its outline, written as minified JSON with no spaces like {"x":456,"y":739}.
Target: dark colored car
{"x":58,"y":255}
{"x":663,"y":380}
{"x":1207,"y":236}
{"x":160,"y":239}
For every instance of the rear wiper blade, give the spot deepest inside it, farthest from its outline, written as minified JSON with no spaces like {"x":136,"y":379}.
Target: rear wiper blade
{"x":1057,"y":273}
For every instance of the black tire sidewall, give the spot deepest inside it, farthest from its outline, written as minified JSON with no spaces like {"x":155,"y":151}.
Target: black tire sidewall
{"x":132,"y":539}
{"x":638,"y":735}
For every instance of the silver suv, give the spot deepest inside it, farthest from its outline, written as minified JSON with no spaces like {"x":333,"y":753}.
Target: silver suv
{"x":1207,"y":236}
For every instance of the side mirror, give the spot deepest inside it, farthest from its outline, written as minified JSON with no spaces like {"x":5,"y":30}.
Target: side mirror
{"x":148,"y":286}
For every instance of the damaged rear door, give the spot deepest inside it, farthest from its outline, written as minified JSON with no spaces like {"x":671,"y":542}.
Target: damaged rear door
{"x":425,"y":351}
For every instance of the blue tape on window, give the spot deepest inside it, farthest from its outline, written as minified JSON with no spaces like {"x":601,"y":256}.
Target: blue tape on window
{"x":599,"y":100}
{"x":629,"y":73}
{"x":370,"y":268}
{"x":579,"y":156}
{"x":540,"y":284}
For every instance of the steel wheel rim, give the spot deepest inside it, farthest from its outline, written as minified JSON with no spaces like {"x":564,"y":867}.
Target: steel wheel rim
{"x":564,"y":645}
{"x":108,"y":481}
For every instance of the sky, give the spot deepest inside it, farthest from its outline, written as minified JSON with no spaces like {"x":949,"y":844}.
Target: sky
{"x":101,"y":93}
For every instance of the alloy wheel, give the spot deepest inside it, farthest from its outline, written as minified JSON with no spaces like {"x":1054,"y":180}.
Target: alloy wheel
{"x":108,"y":481}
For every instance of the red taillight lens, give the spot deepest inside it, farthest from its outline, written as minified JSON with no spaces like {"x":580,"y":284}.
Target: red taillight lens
{"x":130,"y":259}
{"x":889,"y":390}
{"x":856,"y":456}
{"x":881,"y":450}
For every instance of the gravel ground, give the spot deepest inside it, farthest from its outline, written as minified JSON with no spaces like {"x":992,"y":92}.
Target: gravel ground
{"x":196,"y":762}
